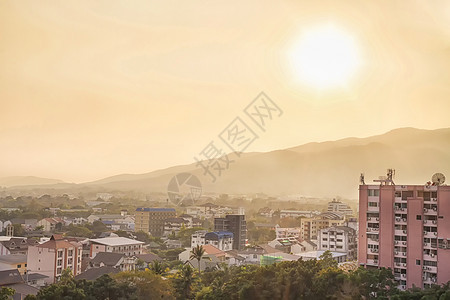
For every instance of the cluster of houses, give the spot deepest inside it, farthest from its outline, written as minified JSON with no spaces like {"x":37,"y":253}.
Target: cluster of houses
{"x":29,"y":264}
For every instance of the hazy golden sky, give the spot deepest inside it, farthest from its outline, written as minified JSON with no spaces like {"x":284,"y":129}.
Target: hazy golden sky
{"x":90,"y":89}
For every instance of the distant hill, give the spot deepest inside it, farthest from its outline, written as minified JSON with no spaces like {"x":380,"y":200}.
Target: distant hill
{"x":26,"y":181}
{"x":324,"y":169}
{"x":316,"y":169}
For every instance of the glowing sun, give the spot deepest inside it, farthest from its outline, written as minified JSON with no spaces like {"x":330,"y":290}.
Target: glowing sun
{"x":324,"y":57}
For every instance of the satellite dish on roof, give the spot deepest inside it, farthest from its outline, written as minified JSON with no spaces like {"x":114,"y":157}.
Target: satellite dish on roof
{"x":438,"y":179}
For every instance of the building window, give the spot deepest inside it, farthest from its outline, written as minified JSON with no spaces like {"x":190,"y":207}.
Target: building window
{"x":418,"y":262}
{"x":373,"y":204}
{"x":418,"y":217}
{"x":19,"y":266}
{"x":374,"y":193}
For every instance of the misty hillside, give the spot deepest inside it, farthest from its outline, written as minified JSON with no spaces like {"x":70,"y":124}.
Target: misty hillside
{"x":26,"y":181}
{"x":316,"y":169}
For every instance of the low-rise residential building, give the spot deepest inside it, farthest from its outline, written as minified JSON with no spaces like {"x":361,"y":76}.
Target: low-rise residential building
{"x":14,"y":280}
{"x":27,"y":224}
{"x":147,"y":259}
{"x":122,"y":245}
{"x":284,"y":245}
{"x":207,"y":263}
{"x":297,"y":213}
{"x":14,"y":261}
{"x":340,"y":207}
{"x":52,"y":257}
{"x":310,"y":227}
{"x":120,"y":221}
{"x":173,"y":244}
{"x":198,"y":238}
{"x":337,"y":256}
{"x":338,"y":239}
{"x":75,"y":221}
{"x":210,"y":251}
{"x":192,"y":221}
{"x":116,"y":260}
{"x":174,"y":225}
{"x":265,"y":226}
{"x":3,"y":224}
{"x":282,"y":233}
{"x":266,"y":212}
{"x":306,"y":246}
{"x":51,"y":224}
{"x":211,"y":210}
{"x":15,"y":245}
{"x":35,"y":279}
{"x":95,"y":273}
{"x":222,"y":240}
{"x":151,"y":220}
{"x":252,"y":255}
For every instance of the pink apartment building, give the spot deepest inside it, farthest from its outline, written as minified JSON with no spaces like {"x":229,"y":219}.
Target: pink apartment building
{"x":52,"y":257}
{"x":406,"y":228}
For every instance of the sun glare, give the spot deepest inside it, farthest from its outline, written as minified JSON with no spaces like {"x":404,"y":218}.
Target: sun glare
{"x":325,"y":57}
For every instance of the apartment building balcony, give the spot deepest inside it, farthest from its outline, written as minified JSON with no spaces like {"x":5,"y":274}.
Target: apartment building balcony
{"x":429,"y":279}
{"x":373,"y":230}
{"x":404,"y":243}
{"x":373,"y":220}
{"x":402,"y":287}
{"x":372,"y":262}
{"x":430,"y":222}
{"x":399,"y":220}
{"x":399,"y":254}
{"x":429,"y":234}
{"x":430,"y":269}
{"x":430,"y":211}
{"x":373,"y":250}
{"x":400,"y":276}
{"x":430,"y":200}
{"x":372,"y":241}
{"x":400,"y":232}
{"x":373,"y":209}
{"x":400,"y":209}
{"x":429,"y":256}
{"x":400,"y":265}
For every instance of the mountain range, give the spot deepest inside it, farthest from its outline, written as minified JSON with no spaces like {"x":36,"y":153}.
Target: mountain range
{"x":325,"y":169}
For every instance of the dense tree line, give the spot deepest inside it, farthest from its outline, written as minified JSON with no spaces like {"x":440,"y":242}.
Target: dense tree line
{"x":313,"y":279}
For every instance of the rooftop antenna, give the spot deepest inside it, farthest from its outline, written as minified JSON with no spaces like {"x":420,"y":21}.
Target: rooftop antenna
{"x":438,"y":179}
{"x":361,"y":179}
{"x":388,"y":179}
{"x":390,"y":176}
